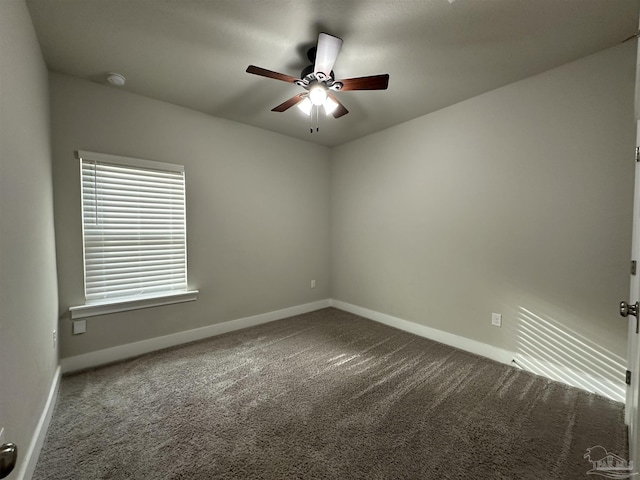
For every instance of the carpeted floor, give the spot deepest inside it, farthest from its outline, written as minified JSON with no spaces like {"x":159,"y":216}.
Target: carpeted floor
{"x":325,"y":395}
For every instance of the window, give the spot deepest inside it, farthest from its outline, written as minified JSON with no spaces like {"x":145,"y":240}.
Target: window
{"x":134,"y":233}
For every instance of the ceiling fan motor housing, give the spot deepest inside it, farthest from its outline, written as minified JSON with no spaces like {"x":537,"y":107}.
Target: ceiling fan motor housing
{"x":309,"y":78}
{"x":309,"y":71}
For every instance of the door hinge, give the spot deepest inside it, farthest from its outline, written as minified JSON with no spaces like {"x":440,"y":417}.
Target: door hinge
{"x":627,"y":378}
{"x":637,"y":154}
{"x":634,"y":266}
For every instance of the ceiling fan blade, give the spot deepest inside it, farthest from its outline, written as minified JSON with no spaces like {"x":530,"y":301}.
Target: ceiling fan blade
{"x":326,"y":53}
{"x":287,"y":104}
{"x":374,"y":82}
{"x":263,"y":72}
{"x":340,"y":109}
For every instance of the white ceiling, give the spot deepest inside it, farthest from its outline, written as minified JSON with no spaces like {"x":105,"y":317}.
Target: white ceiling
{"x":194,"y":52}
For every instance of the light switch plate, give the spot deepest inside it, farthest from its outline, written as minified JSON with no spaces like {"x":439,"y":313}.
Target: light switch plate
{"x":496,"y":319}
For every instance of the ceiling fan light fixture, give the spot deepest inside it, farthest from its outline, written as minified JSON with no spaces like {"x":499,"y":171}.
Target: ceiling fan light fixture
{"x":329,"y":105}
{"x":306,"y":106}
{"x":317,"y":95}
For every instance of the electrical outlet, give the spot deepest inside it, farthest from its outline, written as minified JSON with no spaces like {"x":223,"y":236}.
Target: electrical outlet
{"x":79,"y":326}
{"x":313,"y":284}
{"x":55,"y":339}
{"x":496,"y":319}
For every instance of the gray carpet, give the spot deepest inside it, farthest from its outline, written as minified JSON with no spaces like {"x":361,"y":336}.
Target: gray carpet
{"x":325,"y":395}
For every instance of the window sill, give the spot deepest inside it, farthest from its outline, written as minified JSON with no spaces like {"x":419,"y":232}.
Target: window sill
{"x":95,"y":309}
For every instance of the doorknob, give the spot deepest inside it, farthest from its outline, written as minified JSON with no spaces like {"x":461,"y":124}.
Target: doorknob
{"x":8,"y":457}
{"x":626,"y":310}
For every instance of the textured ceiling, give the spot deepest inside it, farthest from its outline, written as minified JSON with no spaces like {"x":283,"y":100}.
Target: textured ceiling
{"x":437,"y":52}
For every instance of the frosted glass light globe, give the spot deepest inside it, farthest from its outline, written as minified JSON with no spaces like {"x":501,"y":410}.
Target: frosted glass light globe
{"x":317,"y":95}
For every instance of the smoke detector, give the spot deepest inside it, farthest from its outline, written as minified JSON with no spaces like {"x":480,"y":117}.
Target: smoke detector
{"x":115,"y":79}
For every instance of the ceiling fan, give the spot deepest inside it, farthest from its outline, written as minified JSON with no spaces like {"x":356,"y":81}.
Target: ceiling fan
{"x":318,"y":79}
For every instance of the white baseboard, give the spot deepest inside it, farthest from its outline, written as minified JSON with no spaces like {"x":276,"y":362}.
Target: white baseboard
{"x":560,"y":373}
{"x":463,"y":343}
{"x":122,"y":352}
{"x":28,"y":466}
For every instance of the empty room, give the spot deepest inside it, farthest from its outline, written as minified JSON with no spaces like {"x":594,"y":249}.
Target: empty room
{"x":319,"y":239}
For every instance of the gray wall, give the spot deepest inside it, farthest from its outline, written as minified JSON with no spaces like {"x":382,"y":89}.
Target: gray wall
{"x":28,"y":292}
{"x":518,"y":201}
{"x":257,"y":210}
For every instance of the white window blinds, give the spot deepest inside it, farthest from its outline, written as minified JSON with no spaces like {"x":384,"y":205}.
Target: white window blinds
{"x":134,"y":228}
